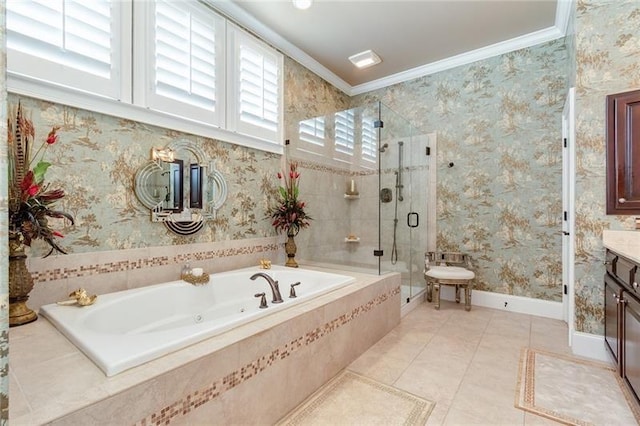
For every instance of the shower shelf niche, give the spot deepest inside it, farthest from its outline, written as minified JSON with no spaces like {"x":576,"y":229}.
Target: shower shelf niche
{"x":351,"y":196}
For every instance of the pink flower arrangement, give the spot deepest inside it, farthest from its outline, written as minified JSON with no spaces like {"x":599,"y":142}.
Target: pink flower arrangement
{"x":30,"y":199}
{"x":289,"y":215}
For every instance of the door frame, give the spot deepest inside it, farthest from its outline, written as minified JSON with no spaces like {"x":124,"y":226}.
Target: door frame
{"x":568,"y":208}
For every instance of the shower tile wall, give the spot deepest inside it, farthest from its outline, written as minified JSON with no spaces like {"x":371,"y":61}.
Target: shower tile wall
{"x":336,"y":217}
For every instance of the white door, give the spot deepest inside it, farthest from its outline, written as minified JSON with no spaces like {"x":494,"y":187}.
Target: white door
{"x":568,"y":210}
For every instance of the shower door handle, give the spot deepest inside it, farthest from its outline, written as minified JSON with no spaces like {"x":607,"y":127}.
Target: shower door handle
{"x":416,"y":220}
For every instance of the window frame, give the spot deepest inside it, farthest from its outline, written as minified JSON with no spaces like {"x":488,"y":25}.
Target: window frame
{"x":126,"y":105}
{"x":235,"y":36}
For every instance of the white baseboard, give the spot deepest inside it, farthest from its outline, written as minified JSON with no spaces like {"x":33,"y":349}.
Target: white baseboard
{"x":414,"y":303}
{"x":590,"y":346}
{"x":507,"y":302}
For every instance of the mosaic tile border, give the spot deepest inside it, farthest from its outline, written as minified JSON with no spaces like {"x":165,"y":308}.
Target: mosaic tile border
{"x":417,"y":415}
{"x":227,"y":382}
{"x":312,"y":165}
{"x":526,"y":386}
{"x":87,"y":270}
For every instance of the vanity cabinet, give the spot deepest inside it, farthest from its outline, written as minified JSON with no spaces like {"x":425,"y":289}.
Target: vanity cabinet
{"x":622,"y":318}
{"x":623,"y":153}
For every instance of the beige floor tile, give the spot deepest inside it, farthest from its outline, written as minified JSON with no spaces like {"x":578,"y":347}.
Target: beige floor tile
{"x":465,"y":362}
{"x":455,"y":349}
{"x":383,"y":369}
{"x":438,"y":414}
{"x":491,"y":404}
{"x":505,"y":347}
{"x":518,"y":326}
{"x":492,"y":375}
{"x":531,"y":419}
{"x":403,"y":347}
{"x":433,"y":385}
{"x":550,"y":335}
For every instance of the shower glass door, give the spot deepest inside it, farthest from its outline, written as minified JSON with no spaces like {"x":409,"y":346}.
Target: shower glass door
{"x":403,"y":177}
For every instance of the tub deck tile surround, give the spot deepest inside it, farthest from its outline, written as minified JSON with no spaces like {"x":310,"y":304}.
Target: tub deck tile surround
{"x":219,"y":376}
{"x":108,"y":271}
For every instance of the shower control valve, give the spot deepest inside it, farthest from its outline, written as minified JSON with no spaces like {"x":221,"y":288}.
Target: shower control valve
{"x":292,"y":292}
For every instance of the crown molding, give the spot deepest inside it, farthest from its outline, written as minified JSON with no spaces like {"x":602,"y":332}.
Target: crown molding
{"x":563,"y":14}
{"x":501,"y":48}
{"x":244,"y":19}
{"x":240,"y":16}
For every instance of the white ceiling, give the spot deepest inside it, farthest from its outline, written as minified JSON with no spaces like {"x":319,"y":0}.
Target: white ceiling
{"x":413,"y":38}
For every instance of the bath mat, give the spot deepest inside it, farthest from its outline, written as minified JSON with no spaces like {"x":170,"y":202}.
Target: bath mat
{"x":572,"y":391}
{"x":351,"y":399}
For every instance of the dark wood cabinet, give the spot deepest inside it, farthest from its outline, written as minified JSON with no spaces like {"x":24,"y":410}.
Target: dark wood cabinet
{"x":623,"y":153}
{"x":622,"y":318}
{"x":632,"y":344}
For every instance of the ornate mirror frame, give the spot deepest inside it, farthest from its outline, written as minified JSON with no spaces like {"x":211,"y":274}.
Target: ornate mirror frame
{"x":195,"y":209}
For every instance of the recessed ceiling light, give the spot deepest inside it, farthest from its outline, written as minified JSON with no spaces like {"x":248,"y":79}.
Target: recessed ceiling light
{"x":365,"y":59}
{"x":302,"y":4}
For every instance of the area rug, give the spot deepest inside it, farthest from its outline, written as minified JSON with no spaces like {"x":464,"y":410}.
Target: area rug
{"x":351,"y":399}
{"x":572,"y":391}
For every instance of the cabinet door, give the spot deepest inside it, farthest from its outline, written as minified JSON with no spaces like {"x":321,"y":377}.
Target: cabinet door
{"x":632,"y":343}
{"x":623,"y":153}
{"x":612,"y":318}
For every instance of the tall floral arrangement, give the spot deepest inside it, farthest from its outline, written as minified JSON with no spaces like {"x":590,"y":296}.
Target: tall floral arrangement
{"x":289,"y":214}
{"x":31,"y":199}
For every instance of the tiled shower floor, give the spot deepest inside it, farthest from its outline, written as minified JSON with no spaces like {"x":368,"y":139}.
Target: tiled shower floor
{"x":466,"y":362}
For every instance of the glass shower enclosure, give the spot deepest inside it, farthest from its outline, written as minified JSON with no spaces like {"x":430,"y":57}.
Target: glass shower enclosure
{"x":365,"y":176}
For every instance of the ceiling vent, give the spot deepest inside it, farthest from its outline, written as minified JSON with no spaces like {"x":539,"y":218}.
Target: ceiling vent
{"x":365,"y":59}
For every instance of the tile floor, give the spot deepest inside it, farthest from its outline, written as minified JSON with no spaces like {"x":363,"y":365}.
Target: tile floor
{"x":466,"y":362}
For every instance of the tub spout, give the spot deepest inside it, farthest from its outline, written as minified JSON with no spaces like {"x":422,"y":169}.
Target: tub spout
{"x":277,"y":298}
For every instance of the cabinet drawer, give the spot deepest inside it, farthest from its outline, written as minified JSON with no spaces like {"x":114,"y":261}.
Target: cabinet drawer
{"x":625,"y":270}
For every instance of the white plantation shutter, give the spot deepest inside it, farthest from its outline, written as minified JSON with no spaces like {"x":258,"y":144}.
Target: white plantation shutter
{"x":345,"y":131}
{"x":186,"y":61}
{"x":75,"y":43}
{"x":255,"y":73}
{"x":369,"y":140}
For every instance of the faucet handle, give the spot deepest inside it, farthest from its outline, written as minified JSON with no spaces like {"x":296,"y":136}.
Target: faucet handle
{"x":263,"y":300}
{"x":292,"y":292}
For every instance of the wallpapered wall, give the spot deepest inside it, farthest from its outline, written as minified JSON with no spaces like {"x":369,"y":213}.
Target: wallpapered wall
{"x":97,"y":156}
{"x":498,"y":121}
{"x":95,"y":161}
{"x":607,"y":61}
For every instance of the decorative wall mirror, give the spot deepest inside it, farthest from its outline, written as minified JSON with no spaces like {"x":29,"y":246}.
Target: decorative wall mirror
{"x":180,"y":188}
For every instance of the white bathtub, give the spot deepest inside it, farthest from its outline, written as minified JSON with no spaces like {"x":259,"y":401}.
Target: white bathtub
{"x":128,"y":328}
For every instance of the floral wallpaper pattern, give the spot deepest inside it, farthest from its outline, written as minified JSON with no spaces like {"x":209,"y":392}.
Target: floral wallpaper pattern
{"x":607,"y":44}
{"x":96,"y":159}
{"x":498,"y":121}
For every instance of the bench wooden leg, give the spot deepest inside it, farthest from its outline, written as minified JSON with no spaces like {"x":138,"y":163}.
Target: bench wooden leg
{"x":467,"y":298}
{"x":457,"y":294}
{"x":436,"y":290}
{"x":429,"y":291}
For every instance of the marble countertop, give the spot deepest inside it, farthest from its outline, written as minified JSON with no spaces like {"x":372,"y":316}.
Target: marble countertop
{"x":625,"y":243}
